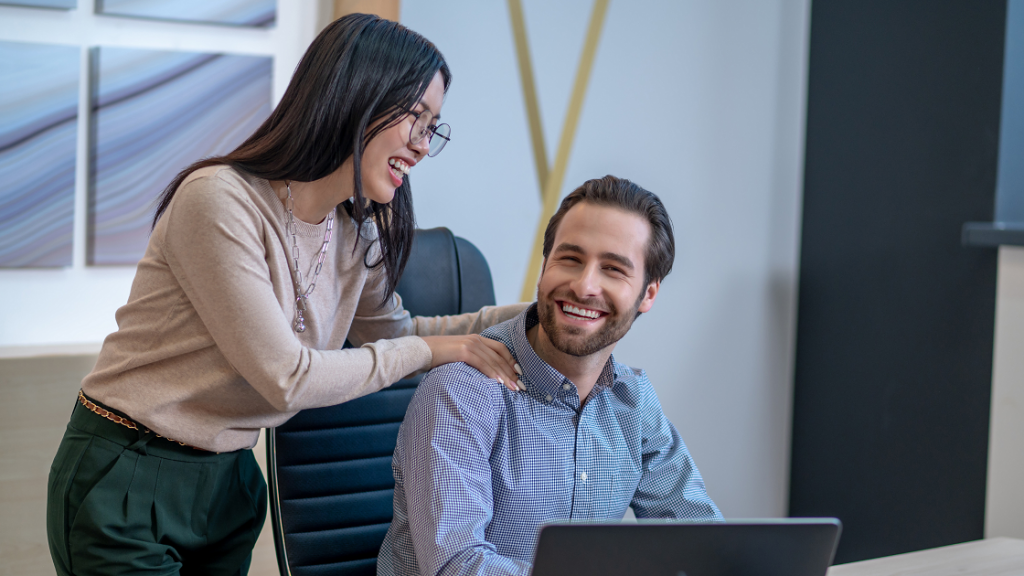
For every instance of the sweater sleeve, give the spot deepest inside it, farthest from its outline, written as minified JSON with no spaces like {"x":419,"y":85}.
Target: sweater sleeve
{"x":215,"y":243}
{"x":469,"y":323}
{"x":373,"y":321}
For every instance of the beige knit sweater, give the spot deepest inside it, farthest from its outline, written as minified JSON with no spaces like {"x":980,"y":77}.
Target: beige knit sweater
{"x":205,"y":352}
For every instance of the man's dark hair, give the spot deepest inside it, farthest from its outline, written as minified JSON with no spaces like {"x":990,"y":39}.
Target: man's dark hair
{"x":361,"y":69}
{"x":625,"y":195}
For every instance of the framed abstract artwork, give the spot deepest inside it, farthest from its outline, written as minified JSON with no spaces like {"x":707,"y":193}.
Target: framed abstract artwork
{"x":38,"y":141}
{"x":153,"y":114}
{"x":58,"y":4}
{"x":229,"y":12}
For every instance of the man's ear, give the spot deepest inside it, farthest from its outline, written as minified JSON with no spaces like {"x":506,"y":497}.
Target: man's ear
{"x":649,"y":294}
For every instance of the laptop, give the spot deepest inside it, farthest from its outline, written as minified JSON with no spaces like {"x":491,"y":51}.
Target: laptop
{"x":777,"y":547}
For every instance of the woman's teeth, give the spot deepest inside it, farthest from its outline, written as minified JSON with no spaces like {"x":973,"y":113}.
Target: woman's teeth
{"x":570,"y":309}
{"x":399,"y":166}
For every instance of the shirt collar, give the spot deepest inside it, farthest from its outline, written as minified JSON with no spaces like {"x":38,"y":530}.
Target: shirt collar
{"x":539,"y":377}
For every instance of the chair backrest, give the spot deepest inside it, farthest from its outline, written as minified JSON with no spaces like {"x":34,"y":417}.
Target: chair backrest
{"x":329,"y":469}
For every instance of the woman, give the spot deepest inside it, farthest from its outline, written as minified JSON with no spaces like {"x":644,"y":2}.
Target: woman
{"x":260,"y":265}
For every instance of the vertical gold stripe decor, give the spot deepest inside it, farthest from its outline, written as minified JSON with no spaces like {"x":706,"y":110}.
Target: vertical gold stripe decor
{"x":553,"y":183}
{"x":540,"y":153}
{"x":384,"y":8}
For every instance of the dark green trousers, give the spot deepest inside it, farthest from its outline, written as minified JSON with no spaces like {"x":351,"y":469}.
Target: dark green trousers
{"x":123,"y":502}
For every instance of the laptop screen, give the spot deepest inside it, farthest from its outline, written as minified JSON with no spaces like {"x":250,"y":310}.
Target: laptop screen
{"x":778,"y":547}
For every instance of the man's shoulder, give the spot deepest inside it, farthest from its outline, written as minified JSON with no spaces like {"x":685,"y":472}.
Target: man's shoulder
{"x":632,"y":386}
{"x":460,"y":384}
{"x":629,"y":374}
{"x":456,"y":372}
{"x":502,"y":331}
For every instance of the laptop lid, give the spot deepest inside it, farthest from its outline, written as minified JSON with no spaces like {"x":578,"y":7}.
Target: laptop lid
{"x":777,"y":547}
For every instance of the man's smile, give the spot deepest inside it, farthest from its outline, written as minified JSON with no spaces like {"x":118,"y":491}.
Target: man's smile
{"x":579,"y":312}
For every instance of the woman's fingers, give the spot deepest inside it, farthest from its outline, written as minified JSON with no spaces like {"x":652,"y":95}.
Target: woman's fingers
{"x":488,"y":356}
{"x":506,"y":361}
{"x":491,"y":358}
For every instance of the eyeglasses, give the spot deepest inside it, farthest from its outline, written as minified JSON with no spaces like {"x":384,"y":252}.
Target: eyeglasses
{"x":439,"y":134}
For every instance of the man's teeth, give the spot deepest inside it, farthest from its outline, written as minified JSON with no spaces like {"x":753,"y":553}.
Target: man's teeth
{"x":399,"y":165}
{"x":570,"y":309}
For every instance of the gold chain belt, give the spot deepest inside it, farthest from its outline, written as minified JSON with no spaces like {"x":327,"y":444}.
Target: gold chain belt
{"x":99,"y":410}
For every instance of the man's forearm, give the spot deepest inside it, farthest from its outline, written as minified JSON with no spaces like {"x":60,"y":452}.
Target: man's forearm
{"x":478,"y":560}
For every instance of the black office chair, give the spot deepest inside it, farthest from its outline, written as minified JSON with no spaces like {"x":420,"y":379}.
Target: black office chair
{"x":329,"y":469}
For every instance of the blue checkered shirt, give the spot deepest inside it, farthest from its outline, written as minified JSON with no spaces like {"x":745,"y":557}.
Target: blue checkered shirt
{"x":478,"y":468}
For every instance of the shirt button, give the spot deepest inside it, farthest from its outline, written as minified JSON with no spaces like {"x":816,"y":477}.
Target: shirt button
{"x":583,"y":476}
{"x":566,"y":386}
{"x":548,"y":397}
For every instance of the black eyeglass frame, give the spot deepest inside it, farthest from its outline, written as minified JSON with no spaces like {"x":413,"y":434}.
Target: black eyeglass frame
{"x":433,"y":132}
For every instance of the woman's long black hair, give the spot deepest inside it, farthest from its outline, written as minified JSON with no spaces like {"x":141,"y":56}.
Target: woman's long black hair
{"x":359,"y":70}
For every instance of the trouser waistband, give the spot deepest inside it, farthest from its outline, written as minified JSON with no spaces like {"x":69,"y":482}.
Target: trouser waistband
{"x":139,"y":439}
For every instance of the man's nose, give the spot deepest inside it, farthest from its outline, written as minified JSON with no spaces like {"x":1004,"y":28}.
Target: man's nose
{"x":587,"y":283}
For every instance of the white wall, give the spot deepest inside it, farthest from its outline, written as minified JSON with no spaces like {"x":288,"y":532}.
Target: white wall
{"x":72,"y":309}
{"x":1004,"y":510}
{"x":701,"y":102}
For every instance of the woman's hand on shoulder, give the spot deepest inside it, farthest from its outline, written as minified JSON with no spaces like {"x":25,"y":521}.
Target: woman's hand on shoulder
{"x":488,"y":356}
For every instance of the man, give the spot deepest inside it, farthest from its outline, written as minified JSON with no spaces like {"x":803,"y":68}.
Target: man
{"x":478,"y":468}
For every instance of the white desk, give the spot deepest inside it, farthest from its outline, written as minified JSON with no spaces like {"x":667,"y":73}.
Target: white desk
{"x":992,"y":557}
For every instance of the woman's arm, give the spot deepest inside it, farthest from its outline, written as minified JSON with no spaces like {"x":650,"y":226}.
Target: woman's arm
{"x":450,"y":338}
{"x":469,"y":323}
{"x":216,"y":243}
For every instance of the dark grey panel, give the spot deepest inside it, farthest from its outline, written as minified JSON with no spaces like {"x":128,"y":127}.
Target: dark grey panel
{"x":895,"y":320}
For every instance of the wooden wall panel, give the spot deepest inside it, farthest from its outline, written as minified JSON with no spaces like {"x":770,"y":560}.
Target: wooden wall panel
{"x":389,"y":9}
{"x":36,"y":399}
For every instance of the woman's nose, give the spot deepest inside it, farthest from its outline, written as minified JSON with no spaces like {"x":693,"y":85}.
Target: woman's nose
{"x":423,"y":146}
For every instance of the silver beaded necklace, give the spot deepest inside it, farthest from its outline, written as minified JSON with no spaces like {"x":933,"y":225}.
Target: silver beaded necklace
{"x":300,"y":295}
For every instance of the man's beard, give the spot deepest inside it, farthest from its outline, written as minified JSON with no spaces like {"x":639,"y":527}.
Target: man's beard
{"x":570,"y":339}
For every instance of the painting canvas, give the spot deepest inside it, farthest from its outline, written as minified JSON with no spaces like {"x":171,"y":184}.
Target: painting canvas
{"x":38,"y":139}
{"x":231,"y":12}
{"x":59,"y":4}
{"x":154,"y":113}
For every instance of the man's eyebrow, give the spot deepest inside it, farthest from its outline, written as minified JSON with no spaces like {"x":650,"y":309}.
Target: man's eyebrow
{"x":626,"y":262}
{"x":567,"y":247}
